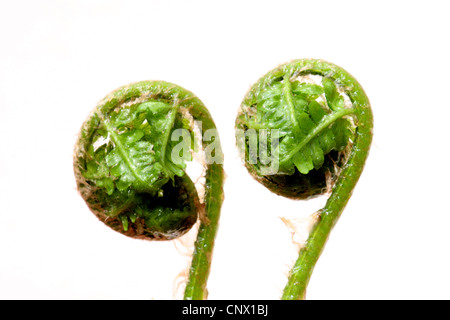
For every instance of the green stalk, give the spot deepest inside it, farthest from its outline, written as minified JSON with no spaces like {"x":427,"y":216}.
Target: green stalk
{"x":201,"y":260}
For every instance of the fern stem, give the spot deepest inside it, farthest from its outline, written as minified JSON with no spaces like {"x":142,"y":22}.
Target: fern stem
{"x":202,"y":257}
{"x":301,"y":272}
{"x":201,"y":260}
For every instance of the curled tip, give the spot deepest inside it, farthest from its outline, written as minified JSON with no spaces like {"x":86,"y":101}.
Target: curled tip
{"x":124,"y":166}
{"x":298,"y":120}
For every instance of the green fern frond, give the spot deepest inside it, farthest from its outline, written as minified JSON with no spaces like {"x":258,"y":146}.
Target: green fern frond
{"x":125,"y":171}
{"x":135,"y":154}
{"x":325,"y":132}
{"x":124,"y":159}
{"x":310,"y":120}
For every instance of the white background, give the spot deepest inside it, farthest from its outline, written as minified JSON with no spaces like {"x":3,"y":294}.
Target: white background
{"x":58,"y":58}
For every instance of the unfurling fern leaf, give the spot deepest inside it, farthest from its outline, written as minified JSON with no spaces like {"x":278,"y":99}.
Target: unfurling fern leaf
{"x":129,"y":178}
{"x":123,"y":160}
{"x":314,"y":130}
{"x":309,"y":129}
{"x":323,"y":124}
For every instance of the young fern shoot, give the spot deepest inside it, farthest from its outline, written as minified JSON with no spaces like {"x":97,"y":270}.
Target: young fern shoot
{"x":131,"y":171}
{"x":320,"y":122}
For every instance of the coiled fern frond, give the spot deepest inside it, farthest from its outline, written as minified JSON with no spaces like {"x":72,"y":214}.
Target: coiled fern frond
{"x":322,"y":121}
{"x":130,"y":169}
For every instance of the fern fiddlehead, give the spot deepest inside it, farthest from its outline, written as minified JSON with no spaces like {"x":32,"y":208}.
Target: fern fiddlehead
{"x":322,"y":121}
{"x":131,"y":171}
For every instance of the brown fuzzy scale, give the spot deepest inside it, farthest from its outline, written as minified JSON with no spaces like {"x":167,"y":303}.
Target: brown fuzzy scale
{"x":302,"y":187}
{"x":137,"y":229}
